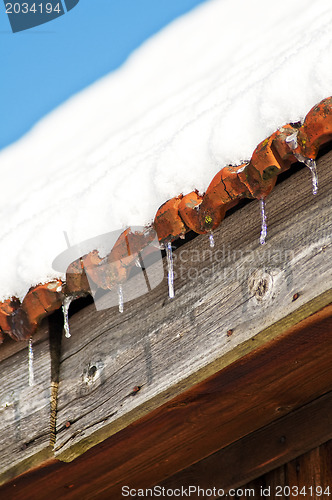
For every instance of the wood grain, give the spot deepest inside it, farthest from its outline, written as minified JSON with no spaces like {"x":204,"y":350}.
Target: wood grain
{"x":313,"y":469}
{"x":24,"y":411}
{"x":9,"y":346}
{"x":264,"y":451}
{"x":309,"y":474}
{"x":254,"y":391}
{"x":167,"y":346}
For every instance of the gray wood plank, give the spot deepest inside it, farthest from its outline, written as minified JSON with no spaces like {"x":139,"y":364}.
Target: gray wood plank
{"x":24,"y":411}
{"x":166,"y":346}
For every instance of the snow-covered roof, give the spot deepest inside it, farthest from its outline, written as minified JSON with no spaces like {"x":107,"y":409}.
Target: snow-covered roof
{"x":199,"y":95}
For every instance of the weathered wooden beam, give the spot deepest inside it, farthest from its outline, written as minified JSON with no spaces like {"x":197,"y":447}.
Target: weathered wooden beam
{"x":24,"y":410}
{"x":254,"y":391}
{"x":27,"y":414}
{"x":166,"y":346}
{"x":262,"y":451}
{"x":223,"y":312}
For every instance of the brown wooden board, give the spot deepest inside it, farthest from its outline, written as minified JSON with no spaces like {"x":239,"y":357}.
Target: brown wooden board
{"x":263,"y":450}
{"x":254,"y":391}
{"x":314,"y":469}
{"x":308,"y":476}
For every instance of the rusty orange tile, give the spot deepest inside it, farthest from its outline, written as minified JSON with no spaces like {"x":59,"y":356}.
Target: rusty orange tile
{"x":121,"y":247}
{"x":189,"y":213}
{"x":116,"y":267}
{"x":256,"y":185}
{"x":281,"y":147}
{"x":223,"y":192}
{"x":91,"y":262}
{"x":21,"y":329}
{"x":76,"y":278}
{"x":131,"y":243}
{"x":116,"y":272}
{"x":271,"y":157}
{"x":167,"y":223}
{"x":138,"y":240}
{"x":103,"y":272}
{"x":316,"y":129}
{"x":214,"y":205}
{"x":233,"y":185}
{"x":40,"y":301}
{"x":7,"y":308}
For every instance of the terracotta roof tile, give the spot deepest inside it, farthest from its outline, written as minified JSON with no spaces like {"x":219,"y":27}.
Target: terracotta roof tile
{"x":168,"y":223}
{"x":174,"y":218}
{"x":76,"y":278}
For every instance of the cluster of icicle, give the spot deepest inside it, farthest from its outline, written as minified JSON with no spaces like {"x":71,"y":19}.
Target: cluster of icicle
{"x":314,"y":139}
{"x":192,"y":212}
{"x":170,"y":267}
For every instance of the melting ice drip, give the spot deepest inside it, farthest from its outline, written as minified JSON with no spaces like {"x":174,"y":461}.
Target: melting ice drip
{"x":170,"y":270}
{"x":30,"y":362}
{"x":264,"y":225}
{"x":65,"y":309}
{"x":120,"y":297}
{"x":309,"y":162}
{"x":211,"y":238}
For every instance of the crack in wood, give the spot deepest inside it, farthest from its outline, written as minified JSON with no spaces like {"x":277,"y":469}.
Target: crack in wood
{"x":55,"y":323}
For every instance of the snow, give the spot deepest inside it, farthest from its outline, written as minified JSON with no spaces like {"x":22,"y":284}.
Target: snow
{"x":199,"y":95}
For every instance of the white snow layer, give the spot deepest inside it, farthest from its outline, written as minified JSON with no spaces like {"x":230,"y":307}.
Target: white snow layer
{"x":197,"y":96}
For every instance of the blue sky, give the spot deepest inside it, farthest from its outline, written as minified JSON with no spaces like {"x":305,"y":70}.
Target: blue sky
{"x":43,"y":66}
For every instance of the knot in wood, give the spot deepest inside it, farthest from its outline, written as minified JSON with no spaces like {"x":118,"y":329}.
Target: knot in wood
{"x":92,"y":372}
{"x":260,"y":284}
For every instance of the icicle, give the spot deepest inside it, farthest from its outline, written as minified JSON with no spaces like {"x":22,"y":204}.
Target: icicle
{"x":264,"y":226}
{"x":314,"y":177}
{"x":65,"y":309}
{"x":170,"y":274}
{"x":211,"y":238}
{"x":311,"y":164}
{"x":30,"y":361}
{"x":120,"y":296}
